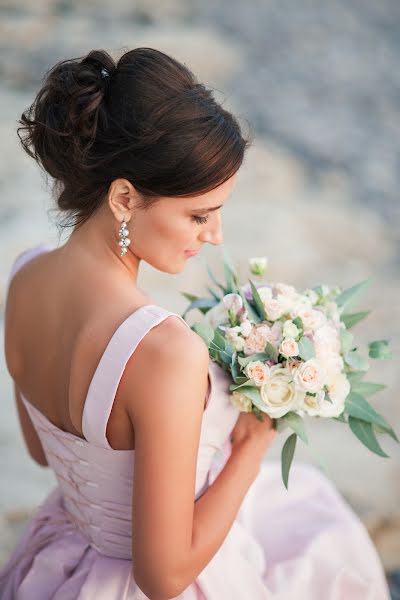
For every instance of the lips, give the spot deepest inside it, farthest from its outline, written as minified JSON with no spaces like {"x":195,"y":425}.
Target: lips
{"x":192,"y":252}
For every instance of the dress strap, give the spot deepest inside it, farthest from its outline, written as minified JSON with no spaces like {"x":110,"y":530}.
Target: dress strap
{"x":24,"y":257}
{"x":107,"y":376}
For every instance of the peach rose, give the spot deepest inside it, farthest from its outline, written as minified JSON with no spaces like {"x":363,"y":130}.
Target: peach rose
{"x":258,"y":371}
{"x":289,"y":347}
{"x":311,"y":375}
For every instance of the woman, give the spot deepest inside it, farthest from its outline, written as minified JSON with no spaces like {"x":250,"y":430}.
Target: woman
{"x":117,"y":395}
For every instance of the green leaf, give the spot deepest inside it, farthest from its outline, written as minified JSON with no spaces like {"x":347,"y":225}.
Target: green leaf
{"x":358,"y":407}
{"x":205,"y":331}
{"x":306,"y":348}
{"x":213,"y":279}
{"x":347,"y":340}
{"x":351,"y":319}
{"x":365,"y":433}
{"x":252,"y":313}
{"x":231,"y":277}
{"x":214,"y":294}
{"x":257,"y":301}
{"x":366,"y":388}
{"x":189,"y":297}
{"x":271,"y":352}
{"x":248,"y":383}
{"x":245,"y":360}
{"x":287,"y":456}
{"x":380,"y":349}
{"x":390,"y":432}
{"x":356,"y":361}
{"x":355,"y":377}
{"x":351,"y":295}
{"x":203,"y":304}
{"x":296,"y":423}
{"x":299,"y":323}
{"x":341,"y":418}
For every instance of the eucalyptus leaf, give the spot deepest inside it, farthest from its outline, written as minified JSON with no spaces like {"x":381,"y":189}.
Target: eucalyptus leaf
{"x":356,"y":361}
{"x":252,"y":313}
{"x":299,"y":323}
{"x":271,"y":352}
{"x":346,"y":340}
{"x":296,"y":423}
{"x":364,"y":432}
{"x":214,"y":280}
{"x":306,"y":348}
{"x":351,"y":319}
{"x":288,"y":450}
{"x":351,"y":295}
{"x":358,"y":407}
{"x":248,"y":383}
{"x":203,"y":304}
{"x":231,"y":277}
{"x":257,"y":301}
{"x":379,"y":349}
{"x":379,"y":429}
{"x":205,"y":331}
{"x":245,"y":360}
{"x":366,"y":388}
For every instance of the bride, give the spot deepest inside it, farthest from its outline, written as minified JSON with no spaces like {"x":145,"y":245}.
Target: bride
{"x":161,"y":491}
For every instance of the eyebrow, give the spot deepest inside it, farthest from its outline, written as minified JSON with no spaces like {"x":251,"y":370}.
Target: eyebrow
{"x":204,"y":210}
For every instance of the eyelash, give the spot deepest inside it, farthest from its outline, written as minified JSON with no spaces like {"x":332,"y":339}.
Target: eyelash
{"x":201,"y":220}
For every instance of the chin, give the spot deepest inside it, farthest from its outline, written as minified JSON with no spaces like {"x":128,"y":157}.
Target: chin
{"x":171,"y":269}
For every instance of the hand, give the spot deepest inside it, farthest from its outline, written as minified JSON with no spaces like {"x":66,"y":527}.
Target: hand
{"x":250,"y":431}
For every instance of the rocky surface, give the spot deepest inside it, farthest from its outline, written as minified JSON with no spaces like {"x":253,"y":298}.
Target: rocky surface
{"x":318,"y":193}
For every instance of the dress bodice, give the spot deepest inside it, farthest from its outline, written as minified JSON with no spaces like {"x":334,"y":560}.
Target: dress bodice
{"x":97,"y":481}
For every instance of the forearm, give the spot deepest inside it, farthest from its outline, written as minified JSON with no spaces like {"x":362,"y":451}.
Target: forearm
{"x":216,"y":509}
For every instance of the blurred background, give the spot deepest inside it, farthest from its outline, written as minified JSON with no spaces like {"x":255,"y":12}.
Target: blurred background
{"x":318,"y":193}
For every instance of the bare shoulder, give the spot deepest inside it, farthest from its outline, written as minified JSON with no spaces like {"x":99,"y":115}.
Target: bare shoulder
{"x":170,"y":359}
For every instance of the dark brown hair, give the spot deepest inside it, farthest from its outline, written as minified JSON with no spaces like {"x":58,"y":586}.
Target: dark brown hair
{"x":144,"y":118}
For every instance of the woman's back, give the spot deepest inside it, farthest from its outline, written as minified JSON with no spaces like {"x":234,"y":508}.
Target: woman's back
{"x":55,"y":341}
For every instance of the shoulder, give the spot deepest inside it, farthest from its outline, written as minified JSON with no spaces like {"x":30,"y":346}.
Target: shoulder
{"x":170,"y":359}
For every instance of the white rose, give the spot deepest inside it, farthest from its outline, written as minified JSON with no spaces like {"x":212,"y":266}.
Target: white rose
{"x":290,"y":329}
{"x":265,"y":293}
{"x":285,"y":290}
{"x":258,"y":371}
{"x":238,"y":343}
{"x":326,"y":341}
{"x":312,"y":318}
{"x":278,"y":393}
{"x":312,"y":295}
{"x":273,"y":309}
{"x":310,"y":376}
{"x":333,"y":363}
{"x":233,"y":302}
{"x":242,"y":402}
{"x":245,"y":328}
{"x":217,"y":315}
{"x":258,"y":265}
{"x":339,"y":388}
{"x":289,"y":348}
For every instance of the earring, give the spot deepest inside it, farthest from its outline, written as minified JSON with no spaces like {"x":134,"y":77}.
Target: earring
{"x":124,"y":240}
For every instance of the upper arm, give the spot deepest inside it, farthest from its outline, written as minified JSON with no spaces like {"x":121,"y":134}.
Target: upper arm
{"x":31,"y":438}
{"x":14,"y":366}
{"x":169,"y":384}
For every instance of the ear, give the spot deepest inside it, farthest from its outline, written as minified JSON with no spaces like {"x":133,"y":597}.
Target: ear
{"x":122,"y":197}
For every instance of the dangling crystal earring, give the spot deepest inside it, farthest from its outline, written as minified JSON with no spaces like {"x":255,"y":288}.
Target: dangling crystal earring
{"x":124,"y":240}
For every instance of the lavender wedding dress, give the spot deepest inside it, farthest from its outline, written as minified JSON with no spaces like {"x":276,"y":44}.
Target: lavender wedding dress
{"x":301,"y":544}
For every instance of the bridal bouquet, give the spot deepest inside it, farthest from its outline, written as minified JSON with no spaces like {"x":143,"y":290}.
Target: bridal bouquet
{"x":291,"y":354}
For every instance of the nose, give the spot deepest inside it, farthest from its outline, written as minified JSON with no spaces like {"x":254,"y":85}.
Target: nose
{"x":213,"y":234}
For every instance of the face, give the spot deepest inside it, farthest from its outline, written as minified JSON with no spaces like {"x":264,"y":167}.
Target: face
{"x":164,"y":234}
